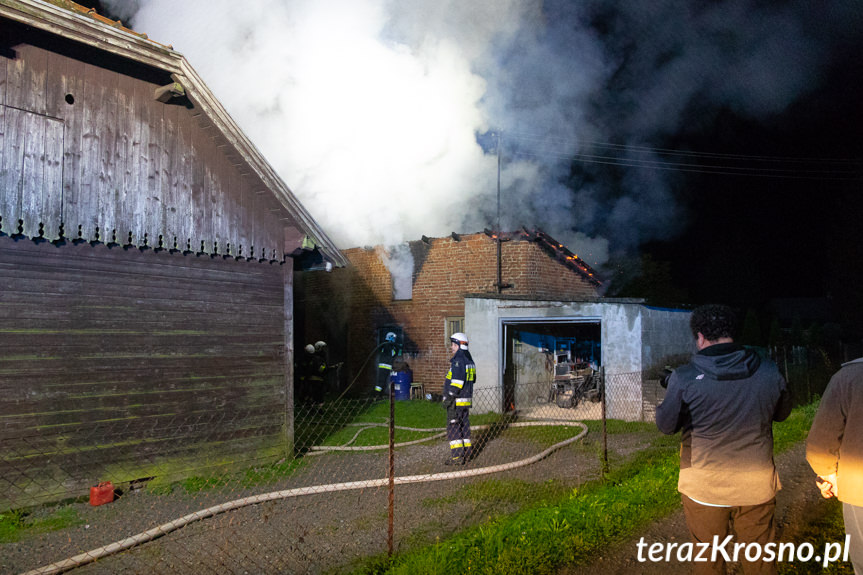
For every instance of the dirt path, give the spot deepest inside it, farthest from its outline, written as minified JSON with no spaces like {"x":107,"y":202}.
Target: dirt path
{"x":796,"y":504}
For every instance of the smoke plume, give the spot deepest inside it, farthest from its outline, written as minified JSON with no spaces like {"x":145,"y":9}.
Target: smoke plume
{"x":388,"y":118}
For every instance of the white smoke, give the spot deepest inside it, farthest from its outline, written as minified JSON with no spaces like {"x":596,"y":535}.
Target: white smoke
{"x":376,"y":137}
{"x":377,"y":113}
{"x":399,"y":260}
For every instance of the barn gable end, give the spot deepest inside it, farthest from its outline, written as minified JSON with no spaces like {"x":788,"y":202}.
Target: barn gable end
{"x":147,"y":252}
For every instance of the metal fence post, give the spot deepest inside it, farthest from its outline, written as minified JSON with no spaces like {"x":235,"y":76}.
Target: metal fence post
{"x":392,"y":471}
{"x":604,"y":430}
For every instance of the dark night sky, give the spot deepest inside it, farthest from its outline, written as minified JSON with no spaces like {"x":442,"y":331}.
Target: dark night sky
{"x":750,"y":239}
{"x":747,"y":240}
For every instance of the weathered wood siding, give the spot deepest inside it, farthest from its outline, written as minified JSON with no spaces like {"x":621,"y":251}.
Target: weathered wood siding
{"x":84,"y":143}
{"x":121,"y":364}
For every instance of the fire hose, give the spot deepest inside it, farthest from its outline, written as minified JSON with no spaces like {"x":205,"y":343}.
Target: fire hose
{"x":164,"y":529}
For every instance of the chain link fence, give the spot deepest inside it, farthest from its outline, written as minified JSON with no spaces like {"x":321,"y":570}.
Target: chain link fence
{"x":321,"y":488}
{"x":806,"y":369}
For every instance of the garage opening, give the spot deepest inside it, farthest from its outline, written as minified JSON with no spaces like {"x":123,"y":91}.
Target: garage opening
{"x":550,"y":362}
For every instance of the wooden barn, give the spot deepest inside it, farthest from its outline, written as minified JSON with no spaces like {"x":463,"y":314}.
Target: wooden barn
{"x":147,"y":252}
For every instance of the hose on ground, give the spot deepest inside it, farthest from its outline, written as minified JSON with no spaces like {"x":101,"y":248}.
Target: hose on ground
{"x":164,"y":529}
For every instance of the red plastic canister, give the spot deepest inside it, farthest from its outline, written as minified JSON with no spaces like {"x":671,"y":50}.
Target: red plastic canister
{"x":102,"y":493}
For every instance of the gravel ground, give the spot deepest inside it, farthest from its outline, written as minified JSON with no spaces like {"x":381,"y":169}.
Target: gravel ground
{"x":320,"y":532}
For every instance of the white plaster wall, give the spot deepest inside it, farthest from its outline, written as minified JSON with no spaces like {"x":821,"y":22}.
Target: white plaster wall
{"x":621,"y":337}
{"x":481,"y":327}
{"x":666,"y":333}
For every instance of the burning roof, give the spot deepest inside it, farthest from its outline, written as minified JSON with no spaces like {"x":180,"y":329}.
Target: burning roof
{"x":550,"y":245}
{"x":556,"y":250}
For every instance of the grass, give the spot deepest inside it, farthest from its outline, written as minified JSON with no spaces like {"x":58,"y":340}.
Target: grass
{"x":421,"y":414}
{"x":561,"y":527}
{"x":494,"y":493}
{"x":543,"y":436}
{"x":247,"y":478}
{"x":793,"y":430}
{"x":329,"y":429}
{"x":15,"y":524}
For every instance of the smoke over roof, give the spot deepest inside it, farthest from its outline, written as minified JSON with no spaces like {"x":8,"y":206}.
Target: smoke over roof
{"x":384,"y":116}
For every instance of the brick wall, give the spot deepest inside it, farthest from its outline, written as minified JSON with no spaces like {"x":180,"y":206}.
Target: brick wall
{"x":347,"y":306}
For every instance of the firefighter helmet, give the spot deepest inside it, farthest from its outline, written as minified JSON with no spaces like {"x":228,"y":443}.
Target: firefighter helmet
{"x":319,"y":345}
{"x":310,"y":348}
{"x":460,"y":339}
{"x":391,"y":337}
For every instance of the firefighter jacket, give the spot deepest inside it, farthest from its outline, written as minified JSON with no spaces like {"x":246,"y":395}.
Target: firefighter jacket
{"x":460,"y":379}
{"x":387,"y":355}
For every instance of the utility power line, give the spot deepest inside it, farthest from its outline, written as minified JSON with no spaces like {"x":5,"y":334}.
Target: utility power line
{"x":802,"y":168}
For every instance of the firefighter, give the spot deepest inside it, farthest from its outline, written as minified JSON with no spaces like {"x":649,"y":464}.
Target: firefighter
{"x":319,"y":370}
{"x":321,"y":349}
{"x":387,"y":354}
{"x":457,"y":392}
{"x":331,"y":371}
{"x":314,"y":369}
{"x":304,"y":369}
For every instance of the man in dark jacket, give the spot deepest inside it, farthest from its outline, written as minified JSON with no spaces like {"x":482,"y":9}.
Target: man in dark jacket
{"x":724,"y":402}
{"x":457,"y":392}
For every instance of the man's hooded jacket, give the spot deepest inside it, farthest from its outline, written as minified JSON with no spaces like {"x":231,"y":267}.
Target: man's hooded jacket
{"x":724,"y":402}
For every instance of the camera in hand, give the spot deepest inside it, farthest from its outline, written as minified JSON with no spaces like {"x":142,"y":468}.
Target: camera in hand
{"x":663,"y":377}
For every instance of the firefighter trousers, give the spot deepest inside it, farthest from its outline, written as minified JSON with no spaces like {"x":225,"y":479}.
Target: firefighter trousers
{"x":458,"y":432}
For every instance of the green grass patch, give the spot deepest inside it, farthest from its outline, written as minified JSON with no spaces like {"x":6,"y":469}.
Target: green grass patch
{"x":562,"y":526}
{"x":271,"y":473}
{"x":328,"y":425}
{"x":788,"y":433}
{"x":16,"y":524}
{"x":373,"y":436}
{"x":618,"y":426}
{"x":249,"y":477}
{"x":495,"y":493}
{"x":420,"y":414}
